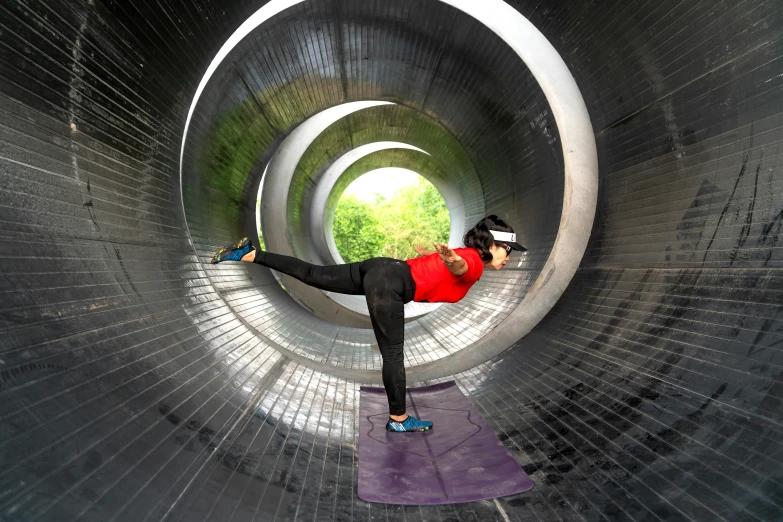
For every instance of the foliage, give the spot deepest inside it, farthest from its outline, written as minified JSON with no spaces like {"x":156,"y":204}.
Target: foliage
{"x":390,"y":228}
{"x":357,"y":231}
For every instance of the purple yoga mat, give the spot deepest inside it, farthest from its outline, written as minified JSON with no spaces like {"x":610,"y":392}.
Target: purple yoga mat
{"x":459,"y":460}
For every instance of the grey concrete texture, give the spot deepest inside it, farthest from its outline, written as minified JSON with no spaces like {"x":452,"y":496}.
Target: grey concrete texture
{"x":139,"y":382}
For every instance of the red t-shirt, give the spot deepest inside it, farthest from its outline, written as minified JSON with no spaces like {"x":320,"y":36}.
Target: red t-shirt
{"x":434,"y":282}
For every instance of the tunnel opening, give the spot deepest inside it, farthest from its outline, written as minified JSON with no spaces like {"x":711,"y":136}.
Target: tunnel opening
{"x":386,"y":213}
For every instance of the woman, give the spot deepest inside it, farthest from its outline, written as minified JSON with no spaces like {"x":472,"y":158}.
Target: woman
{"x":443,"y":275}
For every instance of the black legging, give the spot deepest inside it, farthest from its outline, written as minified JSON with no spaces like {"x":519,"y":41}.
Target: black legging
{"x":387,"y":285}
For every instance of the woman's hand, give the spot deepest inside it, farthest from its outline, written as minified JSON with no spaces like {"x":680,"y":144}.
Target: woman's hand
{"x":447,"y":254}
{"x":455,"y":264}
{"x":421,"y":250}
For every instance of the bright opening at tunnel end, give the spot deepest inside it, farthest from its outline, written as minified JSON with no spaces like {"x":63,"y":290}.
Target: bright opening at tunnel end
{"x":387,"y":213}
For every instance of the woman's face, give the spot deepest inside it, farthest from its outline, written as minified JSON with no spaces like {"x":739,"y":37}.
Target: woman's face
{"x":499,"y":256}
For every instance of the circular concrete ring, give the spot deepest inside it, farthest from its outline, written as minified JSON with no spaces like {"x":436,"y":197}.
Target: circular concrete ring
{"x":580,"y":162}
{"x":322,"y":212}
{"x":322,"y":220}
{"x":281,"y":238}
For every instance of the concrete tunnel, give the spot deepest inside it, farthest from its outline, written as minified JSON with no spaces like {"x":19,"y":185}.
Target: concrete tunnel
{"x":139,"y":382}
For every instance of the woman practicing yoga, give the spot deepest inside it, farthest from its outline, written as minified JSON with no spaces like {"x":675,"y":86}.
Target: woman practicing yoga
{"x":443,"y":275}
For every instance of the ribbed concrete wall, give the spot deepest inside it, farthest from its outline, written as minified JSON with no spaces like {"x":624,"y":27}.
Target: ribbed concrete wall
{"x":139,"y":383}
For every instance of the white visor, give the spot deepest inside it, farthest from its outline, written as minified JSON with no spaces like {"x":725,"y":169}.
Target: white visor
{"x":509,"y":238}
{"x":504,"y":236}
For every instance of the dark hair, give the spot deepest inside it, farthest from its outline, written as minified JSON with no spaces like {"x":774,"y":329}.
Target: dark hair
{"x":481,"y":239}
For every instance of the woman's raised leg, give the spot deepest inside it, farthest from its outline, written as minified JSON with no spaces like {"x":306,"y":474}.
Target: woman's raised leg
{"x":343,"y":279}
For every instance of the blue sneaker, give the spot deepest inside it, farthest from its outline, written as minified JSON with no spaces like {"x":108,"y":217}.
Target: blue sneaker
{"x":233,"y":252}
{"x":409,"y":424}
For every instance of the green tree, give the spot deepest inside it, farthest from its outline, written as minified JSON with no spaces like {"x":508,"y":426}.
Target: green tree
{"x":357,"y":232}
{"x":414,"y":214}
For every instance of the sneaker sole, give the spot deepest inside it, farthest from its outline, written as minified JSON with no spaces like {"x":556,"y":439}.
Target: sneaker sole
{"x":242,"y":243}
{"x":408,"y":431}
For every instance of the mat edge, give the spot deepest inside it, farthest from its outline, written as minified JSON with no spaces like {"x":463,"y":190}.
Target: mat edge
{"x":429,"y":388}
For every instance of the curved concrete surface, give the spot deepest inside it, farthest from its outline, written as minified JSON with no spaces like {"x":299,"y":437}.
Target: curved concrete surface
{"x":278,"y":236}
{"x":140,"y":383}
